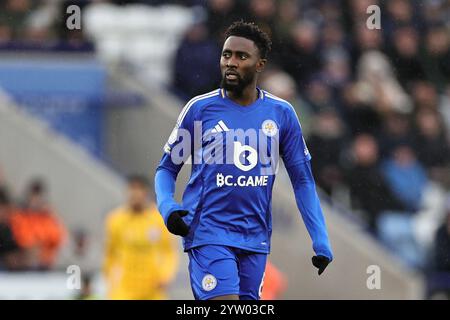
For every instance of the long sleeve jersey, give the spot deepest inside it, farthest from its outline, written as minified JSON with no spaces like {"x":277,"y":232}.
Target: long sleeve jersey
{"x":234,"y":151}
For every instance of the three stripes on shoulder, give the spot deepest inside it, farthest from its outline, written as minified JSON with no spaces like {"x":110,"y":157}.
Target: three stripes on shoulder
{"x":220,"y":127}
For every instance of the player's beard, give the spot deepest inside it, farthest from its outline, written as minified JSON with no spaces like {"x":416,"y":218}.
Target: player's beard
{"x":238,"y":86}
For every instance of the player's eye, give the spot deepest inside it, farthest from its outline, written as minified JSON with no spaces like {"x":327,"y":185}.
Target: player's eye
{"x":226,"y":54}
{"x":244,"y":56}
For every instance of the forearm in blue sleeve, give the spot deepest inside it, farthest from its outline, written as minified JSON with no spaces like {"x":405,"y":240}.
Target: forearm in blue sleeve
{"x":309,"y":205}
{"x":165,"y":190}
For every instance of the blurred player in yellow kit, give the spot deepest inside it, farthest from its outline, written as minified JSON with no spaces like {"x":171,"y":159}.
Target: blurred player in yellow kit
{"x":141,"y":256}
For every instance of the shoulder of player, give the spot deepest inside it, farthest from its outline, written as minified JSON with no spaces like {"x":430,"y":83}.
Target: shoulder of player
{"x":205,"y":98}
{"x":278,"y":102}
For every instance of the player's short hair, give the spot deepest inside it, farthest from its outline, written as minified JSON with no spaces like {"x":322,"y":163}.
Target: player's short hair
{"x":251,"y":31}
{"x":138,"y":179}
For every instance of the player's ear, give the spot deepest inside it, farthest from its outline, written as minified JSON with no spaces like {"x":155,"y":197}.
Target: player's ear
{"x":260,"y":65}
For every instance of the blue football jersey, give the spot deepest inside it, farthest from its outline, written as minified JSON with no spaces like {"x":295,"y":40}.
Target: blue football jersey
{"x":234,"y":153}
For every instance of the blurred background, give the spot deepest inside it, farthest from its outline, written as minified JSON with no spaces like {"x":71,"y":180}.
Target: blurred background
{"x":82,"y":109}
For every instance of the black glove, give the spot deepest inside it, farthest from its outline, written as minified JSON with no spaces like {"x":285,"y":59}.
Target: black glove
{"x":320,"y":262}
{"x":176,"y":225}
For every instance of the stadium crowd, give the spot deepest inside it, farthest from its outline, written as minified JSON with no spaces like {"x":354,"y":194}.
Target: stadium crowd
{"x":374,"y":104}
{"x":31,"y":233}
{"x":39,"y":25}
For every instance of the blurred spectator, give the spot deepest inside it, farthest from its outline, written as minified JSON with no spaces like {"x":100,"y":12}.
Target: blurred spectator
{"x":287,"y":17}
{"x":197,"y":63}
{"x":354,"y":12}
{"x":280,"y":84}
{"x":359,"y":115}
{"x":444,"y":109}
{"x":425,"y":95}
{"x":438,"y":281}
{"x":408,"y":233}
{"x":265,"y":12}
{"x":82,"y":245}
{"x":333,"y":36}
{"x":5,"y":33}
{"x":396,"y":129}
{"x":382,"y":91}
{"x":358,"y":8}
{"x":435,"y":12}
{"x":365,"y":40}
{"x":432,"y":146}
{"x":37,"y":229}
{"x":327,"y":142}
{"x":336,"y":69}
{"x":368,"y":187}
{"x":404,"y":55}
{"x":275,"y":283}
{"x":330,"y":10}
{"x":79,"y":250}
{"x":299,"y":56}
{"x":67,"y":40}
{"x":141,"y":256}
{"x":318,"y":94}
{"x":407,"y":180}
{"x":399,"y":13}
{"x":405,"y":176}
{"x":13,"y":14}
{"x":39,"y":25}
{"x":283,"y":85}
{"x":222,"y":13}
{"x":442,"y":246}
{"x":437,"y":44}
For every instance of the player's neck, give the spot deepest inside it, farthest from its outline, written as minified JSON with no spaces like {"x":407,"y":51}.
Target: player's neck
{"x":246,"y":98}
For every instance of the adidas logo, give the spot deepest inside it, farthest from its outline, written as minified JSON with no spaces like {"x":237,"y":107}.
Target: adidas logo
{"x":220,"y":127}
